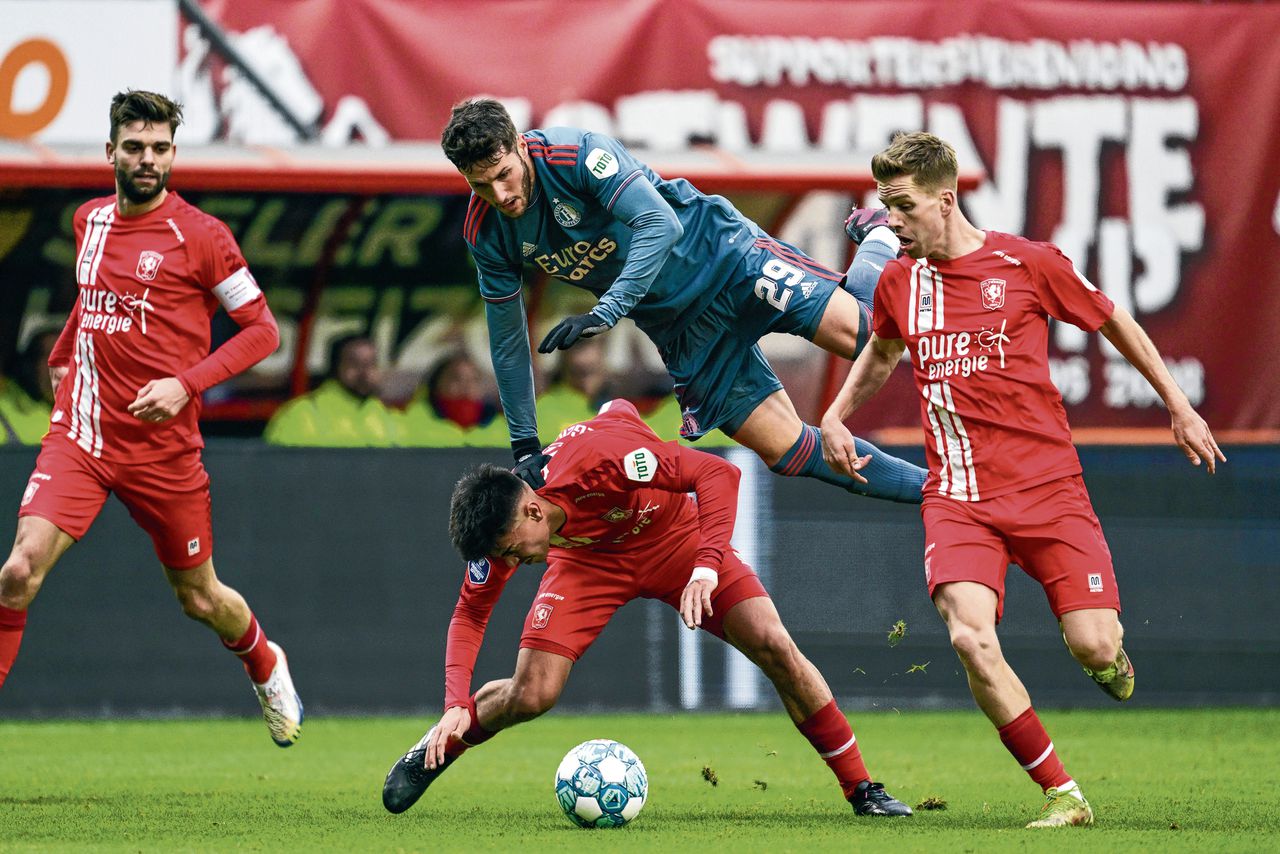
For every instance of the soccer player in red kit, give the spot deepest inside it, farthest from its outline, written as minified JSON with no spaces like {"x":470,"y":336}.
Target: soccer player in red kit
{"x":614,"y":522}
{"x":129,"y":368}
{"x":1004,"y":484}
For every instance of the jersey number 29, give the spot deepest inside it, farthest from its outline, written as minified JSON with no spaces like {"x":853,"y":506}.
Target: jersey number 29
{"x":774,"y":287}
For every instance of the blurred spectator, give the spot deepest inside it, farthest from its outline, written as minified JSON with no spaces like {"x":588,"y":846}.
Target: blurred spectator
{"x":344,"y":411}
{"x":451,"y":409}
{"x":579,"y":386}
{"x":26,"y":398}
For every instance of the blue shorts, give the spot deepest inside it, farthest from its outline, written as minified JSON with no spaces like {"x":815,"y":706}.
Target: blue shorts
{"x":720,"y":374}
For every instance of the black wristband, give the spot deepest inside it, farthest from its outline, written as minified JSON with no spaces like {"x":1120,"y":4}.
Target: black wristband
{"x":524,"y":447}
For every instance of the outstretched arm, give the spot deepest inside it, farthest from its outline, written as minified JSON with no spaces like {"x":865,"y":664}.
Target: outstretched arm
{"x":1190,"y":431}
{"x":655,"y":229}
{"x":867,"y":376}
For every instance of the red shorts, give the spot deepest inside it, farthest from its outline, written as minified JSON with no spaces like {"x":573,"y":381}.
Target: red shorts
{"x":1049,"y":530}
{"x":169,"y":499}
{"x":581,"y":589}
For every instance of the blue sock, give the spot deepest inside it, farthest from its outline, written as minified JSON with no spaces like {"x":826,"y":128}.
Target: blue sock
{"x":887,"y":476}
{"x":861,"y":279}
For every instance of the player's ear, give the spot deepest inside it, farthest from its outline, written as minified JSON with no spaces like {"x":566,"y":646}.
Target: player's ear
{"x":111,"y":153}
{"x":947,"y":201}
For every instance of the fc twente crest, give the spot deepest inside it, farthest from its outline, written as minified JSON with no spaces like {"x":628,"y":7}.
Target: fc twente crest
{"x":992,"y":293}
{"x":149,"y":265}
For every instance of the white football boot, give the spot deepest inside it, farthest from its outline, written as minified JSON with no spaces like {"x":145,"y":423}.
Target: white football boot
{"x":281,"y":705}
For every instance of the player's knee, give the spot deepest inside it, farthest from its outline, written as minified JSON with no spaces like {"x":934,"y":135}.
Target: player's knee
{"x":775,"y":652}
{"x":976,"y":647}
{"x":1095,"y":651}
{"x":196,"y":603}
{"x":18,"y":580}
{"x":528,"y":700}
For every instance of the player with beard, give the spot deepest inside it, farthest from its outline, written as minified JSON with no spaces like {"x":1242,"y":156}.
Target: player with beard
{"x":702,"y":281}
{"x":128,"y":369}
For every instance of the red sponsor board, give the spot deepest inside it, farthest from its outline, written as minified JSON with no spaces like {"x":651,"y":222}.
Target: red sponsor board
{"x":1143,"y":138}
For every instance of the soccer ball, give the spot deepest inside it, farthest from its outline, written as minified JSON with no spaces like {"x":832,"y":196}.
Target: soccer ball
{"x":601,"y":783}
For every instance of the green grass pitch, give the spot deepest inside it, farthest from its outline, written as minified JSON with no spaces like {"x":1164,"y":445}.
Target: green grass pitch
{"x":1160,"y":781}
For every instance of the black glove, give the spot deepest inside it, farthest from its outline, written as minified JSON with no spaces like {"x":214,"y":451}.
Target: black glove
{"x":568,"y":331}
{"x":529,"y":462}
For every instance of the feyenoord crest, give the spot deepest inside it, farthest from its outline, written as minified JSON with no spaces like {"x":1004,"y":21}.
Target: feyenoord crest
{"x":567,"y":215}
{"x":149,"y":265}
{"x":542,"y":615}
{"x":992,"y":293}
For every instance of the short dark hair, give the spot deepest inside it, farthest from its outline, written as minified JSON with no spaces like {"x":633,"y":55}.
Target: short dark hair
{"x":338,"y":346}
{"x":479,"y":131}
{"x":134,"y":105}
{"x":482,"y":509}
{"x":927,"y":159}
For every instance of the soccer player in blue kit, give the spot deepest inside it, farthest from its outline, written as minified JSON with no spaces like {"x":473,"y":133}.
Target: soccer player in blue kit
{"x":700,"y":279}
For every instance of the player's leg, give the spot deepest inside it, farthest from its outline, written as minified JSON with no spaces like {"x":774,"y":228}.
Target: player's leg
{"x":532,"y":690}
{"x":1061,"y":545}
{"x":63,"y":496}
{"x":834,"y":312}
{"x":566,"y":617}
{"x":754,"y":627}
{"x":969,"y":610}
{"x":966,"y":559}
{"x":794,"y":449}
{"x":36,"y":548}
{"x":1094,"y":636}
{"x":170,"y":500}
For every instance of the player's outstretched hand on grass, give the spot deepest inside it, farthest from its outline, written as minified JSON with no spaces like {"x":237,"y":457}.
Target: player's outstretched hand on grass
{"x":1192,"y":435}
{"x":838,"y":448}
{"x":455,"y":721}
{"x":159,"y":400}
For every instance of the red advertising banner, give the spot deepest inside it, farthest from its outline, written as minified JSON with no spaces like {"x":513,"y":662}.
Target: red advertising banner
{"x":1143,"y":138}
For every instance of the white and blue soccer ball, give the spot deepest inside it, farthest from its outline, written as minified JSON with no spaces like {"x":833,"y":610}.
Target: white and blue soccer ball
{"x":601,"y":783}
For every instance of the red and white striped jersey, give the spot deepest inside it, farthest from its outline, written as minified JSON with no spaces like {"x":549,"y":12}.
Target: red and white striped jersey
{"x":977,"y":330}
{"x":148,"y":286}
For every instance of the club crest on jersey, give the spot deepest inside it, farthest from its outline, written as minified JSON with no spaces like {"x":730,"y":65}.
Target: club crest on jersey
{"x":617,"y":514}
{"x":992,"y":293}
{"x":688,"y":424}
{"x":542,"y":615}
{"x":149,"y":265}
{"x":565,"y":214}
{"x":478,"y":570}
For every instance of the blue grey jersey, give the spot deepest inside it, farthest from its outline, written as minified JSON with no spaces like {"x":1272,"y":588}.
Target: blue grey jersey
{"x":651,"y":249}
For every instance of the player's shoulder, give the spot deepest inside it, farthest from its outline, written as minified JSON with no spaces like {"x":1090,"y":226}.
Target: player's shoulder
{"x":1018,"y":251}
{"x":194,"y":224}
{"x":103,"y":206}
{"x":480,"y":223}
{"x":622,"y":413}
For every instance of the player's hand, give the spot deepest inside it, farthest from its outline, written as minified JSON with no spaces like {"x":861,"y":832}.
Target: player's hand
{"x":529,"y":468}
{"x":159,"y":400}
{"x":56,"y":375}
{"x":839,"y":450}
{"x":455,"y":721}
{"x":695,"y":599}
{"x":568,"y":331}
{"x":1192,"y":435}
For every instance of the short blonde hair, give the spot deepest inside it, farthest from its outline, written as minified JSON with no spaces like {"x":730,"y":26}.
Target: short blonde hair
{"x":928,"y":159}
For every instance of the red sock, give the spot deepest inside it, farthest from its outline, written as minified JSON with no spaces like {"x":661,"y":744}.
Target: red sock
{"x":1026,"y":739}
{"x":12,"y":622}
{"x":475,"y":735}
{"x":258,"y":658}
{"x":829,"y":732}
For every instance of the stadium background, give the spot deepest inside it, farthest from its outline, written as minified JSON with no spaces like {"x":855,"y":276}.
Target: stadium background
{"x":1122,"y":131}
